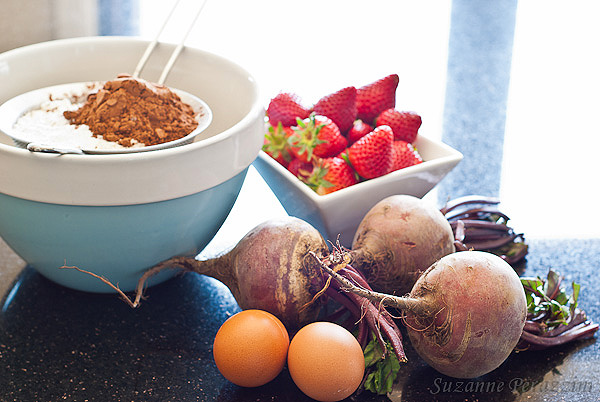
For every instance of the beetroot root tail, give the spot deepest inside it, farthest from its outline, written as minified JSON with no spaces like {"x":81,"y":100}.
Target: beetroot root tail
{"x":175,"y":262}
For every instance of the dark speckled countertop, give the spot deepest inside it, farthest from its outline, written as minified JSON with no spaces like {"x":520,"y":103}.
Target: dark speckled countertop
{"x":58,"y":344}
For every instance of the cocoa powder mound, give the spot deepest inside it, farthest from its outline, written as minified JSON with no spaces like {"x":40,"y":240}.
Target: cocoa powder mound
{"x":127,"y":110}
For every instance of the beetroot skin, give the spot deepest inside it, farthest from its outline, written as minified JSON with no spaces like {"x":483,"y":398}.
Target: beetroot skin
{"x":398,"y":239}
{"x":269,"y":272}
{"x":482,"y":317}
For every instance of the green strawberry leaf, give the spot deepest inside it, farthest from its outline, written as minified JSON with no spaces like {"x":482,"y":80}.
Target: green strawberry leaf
{"x":317,"y":178}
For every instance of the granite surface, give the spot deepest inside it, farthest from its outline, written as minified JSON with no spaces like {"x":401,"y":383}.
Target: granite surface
{"x":478,"y":77}
{"x":59,"y":344}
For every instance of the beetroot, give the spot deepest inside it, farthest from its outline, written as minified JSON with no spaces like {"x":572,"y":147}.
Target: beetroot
{"x":398,"y":239}
{"x":266,"y":270}
{"x":483,"y":317}
{"x":464,"y":315}
{"x":273,"y":268}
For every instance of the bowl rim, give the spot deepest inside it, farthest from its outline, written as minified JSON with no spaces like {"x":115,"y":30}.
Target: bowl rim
{"x":243,"y":123}
{"x":142,"y":177}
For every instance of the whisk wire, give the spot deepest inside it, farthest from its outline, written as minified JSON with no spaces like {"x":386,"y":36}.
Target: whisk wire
{"x":152,"y":45}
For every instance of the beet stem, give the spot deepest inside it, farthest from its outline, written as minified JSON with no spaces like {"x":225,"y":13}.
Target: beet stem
{"x":459,"y":231}
{"x":581,"y":331}
{"x":477,"y":213}
{"x":490,"y":244}
{"x":472,"y":223}
{"x":416,"y":306}
{"x":363,"y":334}
{"x":379,"y":321}
{"x":469,"y":199}
{"x":355,"y":274}
{"x":344,"y":300}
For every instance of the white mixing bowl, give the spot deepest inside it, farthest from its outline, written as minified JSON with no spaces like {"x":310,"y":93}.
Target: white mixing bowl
{"x":119,"y":214}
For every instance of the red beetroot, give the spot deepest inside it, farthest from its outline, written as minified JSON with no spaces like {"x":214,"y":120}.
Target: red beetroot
{"x":398,"y":239}
{"x":464,"y":315}
{"x":266,"y":270}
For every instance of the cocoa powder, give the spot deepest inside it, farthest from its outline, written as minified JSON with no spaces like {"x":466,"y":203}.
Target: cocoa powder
{"x":128,"y":110}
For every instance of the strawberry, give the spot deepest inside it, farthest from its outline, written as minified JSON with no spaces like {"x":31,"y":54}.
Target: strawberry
{"x":275,"y":143}
{"x":316,"y":135}
{"x":332,"y":175}
{"x":302,"y":170}
{"x":301,"y":153}
{"x":371,"y":156}
{"x":333,"y":141}
{"x":405,"y":125}
{"x":285,"y":108}
{"x":404,"y":155}
{"x":374,"y":98}
{"x":359,"y":129}
{"x":340,"y":107}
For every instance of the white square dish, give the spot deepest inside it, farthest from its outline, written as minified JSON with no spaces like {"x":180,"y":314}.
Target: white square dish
{"x":339,"y":213}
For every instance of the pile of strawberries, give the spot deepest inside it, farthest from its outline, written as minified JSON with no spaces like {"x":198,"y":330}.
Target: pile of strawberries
{"x":346,"y":137}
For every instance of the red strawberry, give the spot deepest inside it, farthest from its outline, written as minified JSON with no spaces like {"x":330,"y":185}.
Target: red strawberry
{"x":405,"y":125}
{"x":285,"y":108}
{"x":371,"y":156}
{"x":332,"y":175}
{"x":275,"y":143}
{"x":303,"y":154}
{"x":302,"y":170}
{"x":374,"y":98}
{"x":333,"y":141}
{"x":340,"y":107}
{"x":316,"y":135}
{"x":404,"y":155}
{"x":359,"y":129}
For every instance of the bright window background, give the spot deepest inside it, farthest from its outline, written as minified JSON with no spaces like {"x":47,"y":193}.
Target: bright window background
{"x":316,"y":47}
{"x":293,"y":46}
{"x":562,"y":130}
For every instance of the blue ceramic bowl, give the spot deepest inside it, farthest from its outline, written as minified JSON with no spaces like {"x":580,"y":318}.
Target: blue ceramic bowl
{"x":118,"y":242}
{"x":118,"y":215}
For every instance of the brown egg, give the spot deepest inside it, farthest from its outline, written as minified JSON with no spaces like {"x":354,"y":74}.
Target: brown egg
{"x":326,"y":361}
{"x":250,"y":348}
